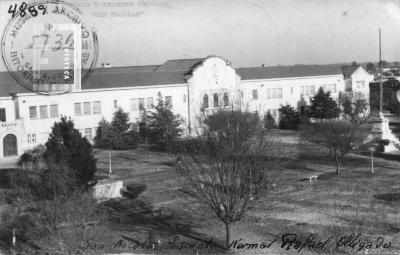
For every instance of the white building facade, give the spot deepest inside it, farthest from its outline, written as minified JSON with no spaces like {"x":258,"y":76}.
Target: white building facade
{"x":191,"y":86}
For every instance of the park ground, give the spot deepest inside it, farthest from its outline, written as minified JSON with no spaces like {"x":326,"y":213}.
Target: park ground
{"x":331,"y":208}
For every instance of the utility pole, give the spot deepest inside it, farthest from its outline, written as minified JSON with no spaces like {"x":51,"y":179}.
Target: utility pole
{"x":380,"y":75}
{"x":109,"y":161}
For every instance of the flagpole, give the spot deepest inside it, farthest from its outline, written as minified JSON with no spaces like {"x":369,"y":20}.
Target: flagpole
{"x":380,"y":75}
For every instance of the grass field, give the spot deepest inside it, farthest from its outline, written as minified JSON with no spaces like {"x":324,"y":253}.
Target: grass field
{"x":326,"y":211}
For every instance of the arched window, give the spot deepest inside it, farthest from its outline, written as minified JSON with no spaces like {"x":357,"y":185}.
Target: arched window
{"x":216,"y":100}
{"x":205,"y":101}
{"x":226,"y":99}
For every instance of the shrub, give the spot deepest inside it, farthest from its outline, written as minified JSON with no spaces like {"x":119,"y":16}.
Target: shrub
{"x":269,"y":121}
{"x":323,"y":106}
{"x":289,"y":118}
{"x":33,"y":157}
{"x":117,"y":135}
{"x":66,"y":146}
{"x":163,"y":125}
{"x":104,"y":135}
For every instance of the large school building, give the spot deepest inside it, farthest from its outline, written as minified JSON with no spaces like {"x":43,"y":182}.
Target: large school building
{"x":191,"y":86}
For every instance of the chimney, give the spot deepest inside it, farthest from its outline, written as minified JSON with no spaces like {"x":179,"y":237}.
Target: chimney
{"x":262,"y":65}
{"x":102,"y":65}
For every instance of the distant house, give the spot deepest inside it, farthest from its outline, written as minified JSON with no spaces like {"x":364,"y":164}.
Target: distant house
{"x":191,"y":86}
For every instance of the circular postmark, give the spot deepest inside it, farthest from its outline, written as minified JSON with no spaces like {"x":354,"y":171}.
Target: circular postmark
{"x":47,"y":47}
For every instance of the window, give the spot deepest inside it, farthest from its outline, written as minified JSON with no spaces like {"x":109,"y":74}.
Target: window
{"x":216,"y":100}
{"x":324,"y":87}
{"x":141,"y":104}
{"x":334,"y":88}
{"x":312,"y":90}
{"x":29,"y":138}
{"x":291,"y":90}
{"x":268,"y":93}
{"x":226,"y":99}
{"x":150,"y":103}
{"x":277,"y":93}
{"x":32,"y":112}
{"x":184,"y":98}
{"x":360,"y":84}
{"x":134,"y":104}
{"x":302,"y":90}
{"x":77,"y":107}
{"x":168,"y":100}
{"x":255,"y":94}
{"x":307,"y":90}
{"x":54,"y":111}
{"x":86,"y":108}
{"x":96,"y":107}
{"x":205,"y":101}
{"x":43,"y":112}
{"x":88,"y":133}
{"x":115,"y":103}
{"x":3,"y":114}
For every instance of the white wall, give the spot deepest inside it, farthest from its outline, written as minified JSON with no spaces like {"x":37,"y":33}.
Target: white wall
{"x":361,"y":75}
{"x":42,"y":127}
{"x":291,"y":91}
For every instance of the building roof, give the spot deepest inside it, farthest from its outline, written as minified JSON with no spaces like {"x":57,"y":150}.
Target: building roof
{"x":273,"y":72}
{"x":8,"y":85}
{"x":349,"y":70}
{"x":101,"y":80}
{"x":175,"y":72}
{"x":179,"y":65}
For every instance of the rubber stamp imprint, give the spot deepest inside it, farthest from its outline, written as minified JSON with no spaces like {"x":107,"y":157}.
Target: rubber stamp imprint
{"x":47,"y":47}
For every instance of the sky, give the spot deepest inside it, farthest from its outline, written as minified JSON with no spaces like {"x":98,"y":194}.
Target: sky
{"x":246,"y":32}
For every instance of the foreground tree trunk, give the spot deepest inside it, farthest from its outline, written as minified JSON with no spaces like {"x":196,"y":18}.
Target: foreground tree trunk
{"x":228,"y":234}
{"x":338,"y":166}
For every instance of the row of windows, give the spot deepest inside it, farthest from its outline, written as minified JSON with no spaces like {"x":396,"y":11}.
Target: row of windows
{"x":43,"y":111}
{"x":310,"y":90}
{"x":216,"y":102}
{"x":142,"y":103}
{"x":307,"y":90}
{"x":87,"y":108}
{"x":329,"y":87}
{"x":271,"y":93}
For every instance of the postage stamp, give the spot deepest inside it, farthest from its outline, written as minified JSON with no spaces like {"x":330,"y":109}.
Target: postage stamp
{"x":47,"y":47}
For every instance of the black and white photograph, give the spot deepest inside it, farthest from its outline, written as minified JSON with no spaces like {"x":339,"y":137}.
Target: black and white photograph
{"x":199,"y":127}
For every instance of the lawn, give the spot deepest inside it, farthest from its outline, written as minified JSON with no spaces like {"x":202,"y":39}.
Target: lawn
{"x":328,"y":210}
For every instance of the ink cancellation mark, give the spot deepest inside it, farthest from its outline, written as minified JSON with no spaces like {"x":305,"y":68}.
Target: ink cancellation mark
{"x":50,"y":53}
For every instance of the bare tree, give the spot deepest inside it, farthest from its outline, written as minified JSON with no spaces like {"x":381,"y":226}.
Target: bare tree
{"x":337,"y":136}
{"x":231,"y":165}
{"x":355,"y":107}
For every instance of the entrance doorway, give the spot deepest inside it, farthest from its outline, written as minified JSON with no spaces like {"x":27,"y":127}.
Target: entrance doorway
{"x":10,"y":145}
